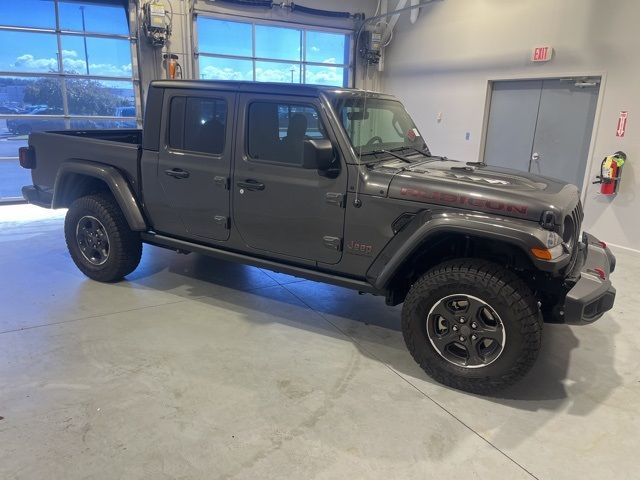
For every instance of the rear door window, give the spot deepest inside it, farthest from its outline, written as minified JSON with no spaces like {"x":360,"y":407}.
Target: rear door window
{"x":198,"y":124}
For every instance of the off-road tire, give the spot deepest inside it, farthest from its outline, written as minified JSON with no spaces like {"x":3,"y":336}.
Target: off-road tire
{"x":505,"y":292}
{"x":125,"y":246}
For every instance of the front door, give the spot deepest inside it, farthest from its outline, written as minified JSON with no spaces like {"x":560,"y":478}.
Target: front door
{"x":279,"y":206}
{"x":542,"y":126}
{"x":194,"y":164}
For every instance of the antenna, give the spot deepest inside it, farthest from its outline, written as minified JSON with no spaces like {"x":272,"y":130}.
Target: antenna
{"x":356,"y":201}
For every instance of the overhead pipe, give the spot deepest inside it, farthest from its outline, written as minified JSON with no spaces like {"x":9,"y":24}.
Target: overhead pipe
{"x":395,"y":14}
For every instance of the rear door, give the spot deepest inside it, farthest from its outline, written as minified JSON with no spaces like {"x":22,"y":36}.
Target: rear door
{"x":280,"y":207}
{"x":194,"y":164}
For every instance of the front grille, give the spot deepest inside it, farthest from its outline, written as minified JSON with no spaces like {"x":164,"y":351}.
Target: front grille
{"x":574,"y":223}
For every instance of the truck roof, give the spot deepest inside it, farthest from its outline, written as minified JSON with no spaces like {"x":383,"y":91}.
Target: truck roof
{"x":264,"y":87}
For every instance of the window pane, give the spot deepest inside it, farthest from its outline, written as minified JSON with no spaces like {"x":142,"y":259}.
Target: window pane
{"x":225,"y":69}
{"x":96,"y":18}
{"x":98,"y":97}
{"x":321,"y":75}
{"x":224,"y":37}
{"x":205,"y":121}
{"x":28,"y":52}
{"x":277,"y":131}
{"x":29,"y":95}
{"x":278,"y":43}
{"x":107,"y":57}
{"x":278,"y":72}
{"x":325,"y":47}
{"x":28,"y":13}
{"x":384,"y":120}
{"x":12,"y":176}
{"x":287,"y":117}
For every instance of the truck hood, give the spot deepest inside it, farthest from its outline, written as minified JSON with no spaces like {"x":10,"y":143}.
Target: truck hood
{"x":487,"y":189}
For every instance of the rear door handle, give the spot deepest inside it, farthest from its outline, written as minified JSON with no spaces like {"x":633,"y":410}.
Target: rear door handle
{"x":177,"y":173}
{"x":251,"y":184}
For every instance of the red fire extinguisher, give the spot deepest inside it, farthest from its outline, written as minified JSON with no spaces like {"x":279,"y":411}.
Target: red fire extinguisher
{"x":610,"y":173}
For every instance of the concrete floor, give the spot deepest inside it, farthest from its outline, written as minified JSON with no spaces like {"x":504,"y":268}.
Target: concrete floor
{"x":197,"y":368}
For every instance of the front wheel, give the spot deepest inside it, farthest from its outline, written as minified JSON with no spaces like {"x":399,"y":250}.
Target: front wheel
{"x":473,"y":325}
{"x":99,"y":239}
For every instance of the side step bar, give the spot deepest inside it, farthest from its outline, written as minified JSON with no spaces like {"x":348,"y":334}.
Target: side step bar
{"x":183,"y":245}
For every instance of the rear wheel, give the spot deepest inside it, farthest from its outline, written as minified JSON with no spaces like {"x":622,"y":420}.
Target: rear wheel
{"x":99,"y":239}
{"x":472,"y":325}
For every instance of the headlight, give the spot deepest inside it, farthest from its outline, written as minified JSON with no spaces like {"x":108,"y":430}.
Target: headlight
{"x":554,"y":248}
{"x":553,"y":239}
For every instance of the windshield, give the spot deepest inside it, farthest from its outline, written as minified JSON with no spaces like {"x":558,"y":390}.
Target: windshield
{"x":385,"y":125}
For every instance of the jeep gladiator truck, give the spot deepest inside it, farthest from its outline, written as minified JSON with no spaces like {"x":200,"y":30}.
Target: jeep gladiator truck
{"x":334,"y":185}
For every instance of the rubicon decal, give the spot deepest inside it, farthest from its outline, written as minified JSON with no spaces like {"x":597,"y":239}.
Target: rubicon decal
{"x":452,"y":198}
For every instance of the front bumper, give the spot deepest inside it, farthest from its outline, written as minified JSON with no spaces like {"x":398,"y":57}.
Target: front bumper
{"x":592,"y":294}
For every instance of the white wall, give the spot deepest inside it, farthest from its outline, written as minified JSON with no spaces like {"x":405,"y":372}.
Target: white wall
{"x":444,"y":61}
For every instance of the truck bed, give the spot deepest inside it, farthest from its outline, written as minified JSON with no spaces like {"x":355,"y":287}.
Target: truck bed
{"x":119,"y":148}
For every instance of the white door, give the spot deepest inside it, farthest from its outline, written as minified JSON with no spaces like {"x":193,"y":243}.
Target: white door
{"x":542,"y":126}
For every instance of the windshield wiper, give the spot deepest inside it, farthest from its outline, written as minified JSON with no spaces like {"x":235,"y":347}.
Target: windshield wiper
{"x":388,"y":152}
{"x":421,"y":152}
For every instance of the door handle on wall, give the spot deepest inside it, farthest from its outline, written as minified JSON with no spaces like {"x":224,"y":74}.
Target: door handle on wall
{"x":251,"y":184}
{"x":177,"y":173}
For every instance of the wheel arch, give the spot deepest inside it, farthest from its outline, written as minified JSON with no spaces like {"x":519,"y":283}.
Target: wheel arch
{"x":433,"y":237}
{"x":77,"y":178}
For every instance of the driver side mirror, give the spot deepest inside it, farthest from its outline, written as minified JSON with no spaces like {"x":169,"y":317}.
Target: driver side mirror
{"x":319,"y":154}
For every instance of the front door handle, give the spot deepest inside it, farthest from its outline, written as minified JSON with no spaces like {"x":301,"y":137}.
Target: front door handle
{"x":177,"y":173}
{"x":251,"y":184}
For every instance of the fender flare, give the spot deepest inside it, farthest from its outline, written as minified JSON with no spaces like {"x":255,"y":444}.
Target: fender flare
{"x":428,"y":223}
{"x":112,"y":177}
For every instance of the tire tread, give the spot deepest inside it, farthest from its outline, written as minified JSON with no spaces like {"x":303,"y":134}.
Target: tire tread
{"x":505,"y":284}
{"x":124,"y":244}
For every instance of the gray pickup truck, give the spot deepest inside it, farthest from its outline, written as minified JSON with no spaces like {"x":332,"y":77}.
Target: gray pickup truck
{"x":338,"y":186}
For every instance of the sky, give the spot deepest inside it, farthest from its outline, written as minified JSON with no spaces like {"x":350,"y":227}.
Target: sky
{"x":37,"y":52}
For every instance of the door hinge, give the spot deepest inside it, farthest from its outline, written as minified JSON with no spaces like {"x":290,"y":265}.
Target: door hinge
{"x":333,"y":198}
{"x":221,"y":220}
{"x":334,"y":243}
{"x":222,"y":182}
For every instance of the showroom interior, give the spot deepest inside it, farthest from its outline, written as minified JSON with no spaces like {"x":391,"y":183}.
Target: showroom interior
{"x":294,"y":356}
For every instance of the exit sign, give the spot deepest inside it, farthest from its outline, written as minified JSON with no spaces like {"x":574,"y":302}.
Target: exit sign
{"x":541,"y":54}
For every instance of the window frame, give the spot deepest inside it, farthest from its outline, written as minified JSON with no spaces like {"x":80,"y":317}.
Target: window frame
{"x":284,"y":101}
{"x":62,"y":75}
{"x":182,"y":151}
{"x":302,"y":63}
